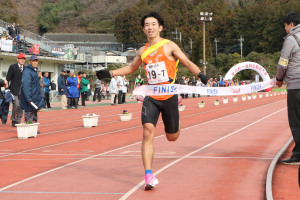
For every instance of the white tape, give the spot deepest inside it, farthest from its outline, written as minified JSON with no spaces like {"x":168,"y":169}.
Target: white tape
{"x":169,"y":89}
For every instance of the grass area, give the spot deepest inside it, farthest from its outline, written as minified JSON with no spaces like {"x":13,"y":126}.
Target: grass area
{"x":279,"y":89}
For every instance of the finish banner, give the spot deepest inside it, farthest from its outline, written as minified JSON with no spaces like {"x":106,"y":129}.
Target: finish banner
{"x":169,"y":89}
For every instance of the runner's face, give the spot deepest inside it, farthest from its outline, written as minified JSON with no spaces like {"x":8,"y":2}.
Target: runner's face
{"x":152,"y":27}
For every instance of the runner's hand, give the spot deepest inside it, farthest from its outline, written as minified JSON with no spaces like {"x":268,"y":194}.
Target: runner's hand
{"x":203,"y":78}
{"x":101,"y":74}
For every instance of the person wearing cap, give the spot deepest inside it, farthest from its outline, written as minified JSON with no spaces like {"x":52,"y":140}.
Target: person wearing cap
{"x":14,"y":78}
{"x":62,"y":89}
{"x":31,"y":94}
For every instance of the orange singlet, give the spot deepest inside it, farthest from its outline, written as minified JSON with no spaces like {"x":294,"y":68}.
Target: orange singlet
{"x":159,"y":70}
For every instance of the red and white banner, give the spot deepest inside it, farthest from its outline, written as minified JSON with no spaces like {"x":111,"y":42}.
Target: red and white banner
{"x":35,"y":49}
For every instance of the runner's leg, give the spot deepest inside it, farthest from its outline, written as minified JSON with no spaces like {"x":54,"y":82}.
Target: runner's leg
{"x":147,"y":145}
{"x":150,"y":114}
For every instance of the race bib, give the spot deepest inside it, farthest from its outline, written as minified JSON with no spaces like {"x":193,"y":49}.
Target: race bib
{"x":157,"y":73}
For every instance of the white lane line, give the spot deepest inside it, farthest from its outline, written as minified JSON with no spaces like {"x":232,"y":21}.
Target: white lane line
{"x":122,"y":130}
{"x":47,"y":192}
{"x":214,"y":110}
{"x":130,"y":192}
{"x":84,"y":159}
{"x":52,"y":145}
{"x":108,"y":157}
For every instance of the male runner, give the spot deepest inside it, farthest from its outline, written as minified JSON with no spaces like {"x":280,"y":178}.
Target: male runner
{"x":160,"y":67}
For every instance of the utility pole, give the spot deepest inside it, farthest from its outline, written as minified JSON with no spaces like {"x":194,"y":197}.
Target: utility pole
{"x":176,"y":32}
{"x":216,"y":41}
{"x":205,"y":17}
{"x":180,"y":36}
{"x":191,"y":44}
{"x":241,"y":40}
{"x":204,"y":61}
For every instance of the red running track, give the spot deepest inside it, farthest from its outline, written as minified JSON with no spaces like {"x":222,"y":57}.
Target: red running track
{"x":223,"y":153}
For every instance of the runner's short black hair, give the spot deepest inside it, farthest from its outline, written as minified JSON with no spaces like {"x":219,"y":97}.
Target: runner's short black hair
{"x":292,"y":17}
{"x":80,"y":72}
{"x":154,"y":15}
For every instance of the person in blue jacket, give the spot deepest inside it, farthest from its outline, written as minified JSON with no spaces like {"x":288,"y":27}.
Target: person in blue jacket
{"x":73,"y":92}
{"x":62,"y":89}
{"x":47,"y":84}
{"x":31,"y":94}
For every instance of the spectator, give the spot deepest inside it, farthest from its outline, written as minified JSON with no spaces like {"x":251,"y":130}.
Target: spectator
{"x":199,"y":84}
{"x":103,"y":91}
{"x":9,"y":28}
{"x":215,"y":82}
{"x":113,"y":90}
{"x":125,"y":86}
{"x":73,"y":92}
{"x":5,"y":98}
{"x":182,"y":82}
{"x":84,"y":90}
{"x":13,"y":33}
{"x":53,"y":85}
{"x":14,"y":78}
{"x":120,"y":89}
{"x":41,"y":84}
{"x":221,"y":83}
{"x":76,"y":49}
{"x":97,"y":85}
{"x":62,"y":89}
{"x":107,"y":90}
{"x":193,"y":83}
{"x":53,"y":91}
{"x":18,"y":37}
{"x":47,"y":89}
{"x":139,"y":81}
{"x":79,"y":86}
{"x":31,"y":95}
{"x":18,"y":29}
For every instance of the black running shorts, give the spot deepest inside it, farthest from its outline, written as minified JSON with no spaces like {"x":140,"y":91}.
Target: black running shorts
{"x":168,"y":109}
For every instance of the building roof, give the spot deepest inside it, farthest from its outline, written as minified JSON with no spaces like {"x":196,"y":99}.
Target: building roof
{"x":79,"y":37}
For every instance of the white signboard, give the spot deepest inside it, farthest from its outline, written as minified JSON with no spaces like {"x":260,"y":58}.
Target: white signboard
{"x":7,"y":45}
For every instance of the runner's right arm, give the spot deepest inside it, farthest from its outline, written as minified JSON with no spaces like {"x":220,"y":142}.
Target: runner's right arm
{"x":129,"y":69}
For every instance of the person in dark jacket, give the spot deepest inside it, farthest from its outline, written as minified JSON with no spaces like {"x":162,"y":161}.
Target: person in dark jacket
{"x":4,"y":105}
{"x":53,"y":85}
{"x":62,"y":89}
{"x":5,"y":98}
{"x":31,"y":94}
{"x":73,"y":92}
{"x":14,"y":78}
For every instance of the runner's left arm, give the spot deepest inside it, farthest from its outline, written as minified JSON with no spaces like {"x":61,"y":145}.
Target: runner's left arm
{"x":183,"y":58}
{"x":189,"y":64}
